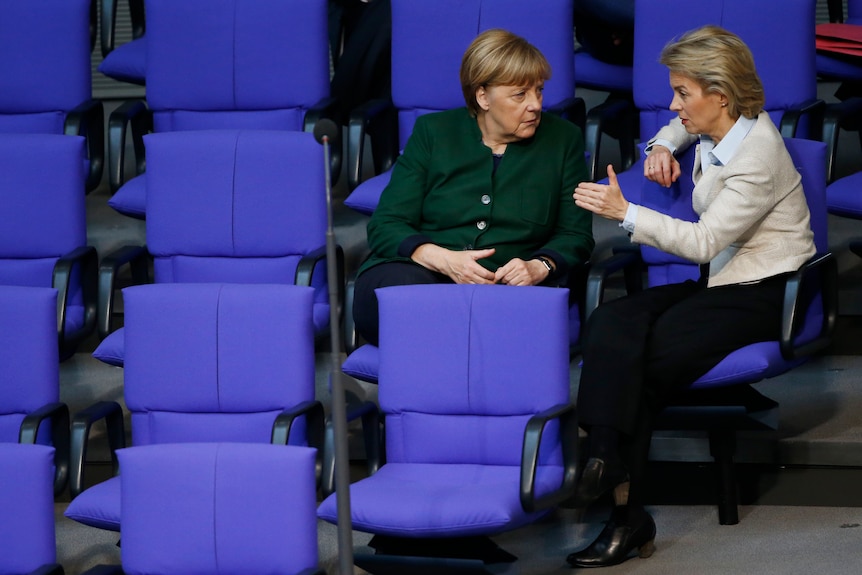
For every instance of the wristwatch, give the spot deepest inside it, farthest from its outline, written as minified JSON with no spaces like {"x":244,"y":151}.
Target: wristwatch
{"x":547,"y":264}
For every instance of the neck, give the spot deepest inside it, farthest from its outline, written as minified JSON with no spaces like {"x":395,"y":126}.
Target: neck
{"x":497,"y":142}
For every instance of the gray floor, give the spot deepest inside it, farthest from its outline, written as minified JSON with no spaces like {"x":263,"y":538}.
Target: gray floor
{"x":802,"y":506}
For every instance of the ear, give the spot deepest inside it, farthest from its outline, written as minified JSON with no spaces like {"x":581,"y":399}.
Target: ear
{"x":482,"y":98}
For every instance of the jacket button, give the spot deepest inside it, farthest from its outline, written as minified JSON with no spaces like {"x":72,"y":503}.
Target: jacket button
{"x":481,"y":224}
{"x":486,"y":199}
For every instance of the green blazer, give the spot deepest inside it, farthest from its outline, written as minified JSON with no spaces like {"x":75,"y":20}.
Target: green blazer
{"x":444,"y":190}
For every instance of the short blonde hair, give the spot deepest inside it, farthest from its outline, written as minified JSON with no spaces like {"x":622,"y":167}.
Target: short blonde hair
{"x":500,"y":58}
{"x":720,"y":62}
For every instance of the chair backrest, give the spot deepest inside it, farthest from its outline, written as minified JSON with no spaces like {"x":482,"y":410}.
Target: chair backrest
{"x":233,"y":509}
{"x":235,"y":206}
{"x":429,"y":38}
{"x":779,"y":34}
{"x":459,"y":380}
{"x":27,"y":535}
{"x":29,"y":368}
{"x":215,"y":362}
{"x":43,"y":215}
{"x":235,"y":63}
{"x":45,"y":69}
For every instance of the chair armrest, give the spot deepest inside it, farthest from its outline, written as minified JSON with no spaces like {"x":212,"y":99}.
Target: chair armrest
{"x":86,"y":261}
{"x":812,"y":109}
{"x":798,"y":295}
{"x":137,"y":257}
{"x":378,"y":119}
{"x":326,"y":108}
{"x":88,"y":120}
{"x":58,"y":414}
{"x":315,"y":425}
{"x":82,"y":422}
{"x":372,"y":438}
{"x":132,"y":113}
{"x":567,"y":416}
{"x":846,"y":115}
{"x":307,"y":265}
{"x":612,"y":116}
{"x":628,"y":260}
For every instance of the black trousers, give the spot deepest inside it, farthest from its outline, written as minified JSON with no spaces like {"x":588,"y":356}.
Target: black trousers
{"x":639,"y":349}
{"x":365,"y":310}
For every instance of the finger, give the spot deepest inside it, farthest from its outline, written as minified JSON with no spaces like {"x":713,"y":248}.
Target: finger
{"x":612,"y":177}
{"x":479,"y":254}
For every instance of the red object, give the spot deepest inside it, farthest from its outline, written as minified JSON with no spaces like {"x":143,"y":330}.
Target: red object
{"x":843,"y":39}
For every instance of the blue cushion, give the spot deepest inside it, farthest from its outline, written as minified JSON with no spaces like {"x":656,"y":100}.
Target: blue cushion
{"x":363,"y":363}
{"x":479,"y":500}
{"x":842,"y":196}
{"x":111,"y":349}
{"x":131,"y":199}
{"x":749,"y":364}
{"x":98,"y":506}
{"x":366,"y":196}
{"x":127,"y":62}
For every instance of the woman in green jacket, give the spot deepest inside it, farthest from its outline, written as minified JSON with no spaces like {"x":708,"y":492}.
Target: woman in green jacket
{"x":481,"y":194}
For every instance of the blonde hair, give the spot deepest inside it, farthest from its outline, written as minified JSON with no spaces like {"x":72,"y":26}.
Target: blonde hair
{"x":720,"y":62}
{"x":500,"y":58}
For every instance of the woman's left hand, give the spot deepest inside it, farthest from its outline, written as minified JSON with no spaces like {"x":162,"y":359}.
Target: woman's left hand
{"x":605,"y":200}
{"x":518,"y":272}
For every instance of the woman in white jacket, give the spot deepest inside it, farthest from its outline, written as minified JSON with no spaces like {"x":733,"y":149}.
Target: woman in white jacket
{"x":753,"y":229}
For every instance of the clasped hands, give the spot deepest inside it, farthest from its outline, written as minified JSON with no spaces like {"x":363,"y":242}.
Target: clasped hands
{"x":463,"y":267}
{"x":607,"y":200}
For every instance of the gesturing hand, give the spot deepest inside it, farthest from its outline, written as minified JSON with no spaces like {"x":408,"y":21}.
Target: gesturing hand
{"x":606,"y":200}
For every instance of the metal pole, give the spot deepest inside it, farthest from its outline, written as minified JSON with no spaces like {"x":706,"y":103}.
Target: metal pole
{"x":339,"y":407}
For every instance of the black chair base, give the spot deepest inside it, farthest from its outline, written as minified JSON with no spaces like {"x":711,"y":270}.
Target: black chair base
{"x":431,"y":556}
{"x":722,"y":412}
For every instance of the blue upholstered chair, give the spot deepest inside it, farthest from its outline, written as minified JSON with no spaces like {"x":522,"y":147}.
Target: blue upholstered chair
{"x":480,"y":434}
{"x":45,"y":78}
{"x":238,"y":206}
{"x":205,"y":363}
{"x":791,"y":91}
{"x":224,"y":64}
{"x":43,"y":235}
{"x":30,"y":406}
{"x":218,"y":508}
{"x":128,"y":61}
{"x":428,"y":41}
{"x":27,"y":536}
{"x":723,"y":401}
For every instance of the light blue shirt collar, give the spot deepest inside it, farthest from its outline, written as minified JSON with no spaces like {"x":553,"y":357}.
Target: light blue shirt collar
{"x":720,"y":155}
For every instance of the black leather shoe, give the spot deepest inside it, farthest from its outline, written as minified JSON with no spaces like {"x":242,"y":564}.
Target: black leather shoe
{"x":598,"y":478}
{"x":621,"y":536}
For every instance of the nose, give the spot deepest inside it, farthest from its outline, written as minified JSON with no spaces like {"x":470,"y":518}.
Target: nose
{"x":675,"y":105}
{"x":534,"y":100}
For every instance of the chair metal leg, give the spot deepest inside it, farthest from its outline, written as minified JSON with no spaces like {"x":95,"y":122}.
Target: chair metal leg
{"x":722,"y":446}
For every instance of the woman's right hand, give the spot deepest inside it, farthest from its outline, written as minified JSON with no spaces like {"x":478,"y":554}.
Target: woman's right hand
{"x":461,"y":266}
{"x":661,"y":167}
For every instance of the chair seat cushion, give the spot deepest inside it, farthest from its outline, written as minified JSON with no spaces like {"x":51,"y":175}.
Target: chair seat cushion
{"x":131,"y":199}
{"x":127,"y":62}
{"x":111,"y":349}
{"x":467,"y":500}
{"x":98,"y":506}
{"x":843,"y":198}
{"x":366,"y":196}
{"x":749,"y":364}
{"x":363,"y":363}
{"x":837,"y":69}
